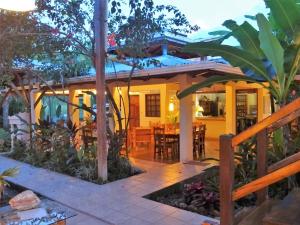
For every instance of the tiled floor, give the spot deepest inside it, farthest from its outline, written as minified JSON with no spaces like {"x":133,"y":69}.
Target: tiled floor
{"x":146,"y":152}
{"x":119,"y":202}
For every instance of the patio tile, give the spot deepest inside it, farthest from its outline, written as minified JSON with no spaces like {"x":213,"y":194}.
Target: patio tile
{"x":134,"y":221}
{"x":183,"y":215}
{"x":170,"y":221}
{"x":151,"y":216}
{"x":116,"y":218}
{"x":134,"y":210}
{"x":119,"y":202}
{"x":147,"y":204}
{"x":165,"y":209}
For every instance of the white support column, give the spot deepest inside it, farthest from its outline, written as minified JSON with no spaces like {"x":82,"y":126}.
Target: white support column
{"x":186,"y":122}
{"x":230,"y":108}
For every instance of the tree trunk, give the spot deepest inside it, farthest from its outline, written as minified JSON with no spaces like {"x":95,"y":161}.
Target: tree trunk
{"x":100,"y":54}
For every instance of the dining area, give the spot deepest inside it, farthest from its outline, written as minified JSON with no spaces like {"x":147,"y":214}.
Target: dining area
{"x":161,"y":142}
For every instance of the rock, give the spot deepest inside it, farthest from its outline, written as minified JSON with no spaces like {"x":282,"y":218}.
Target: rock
{"x":25,"y":201}
{"x":182,"y":205}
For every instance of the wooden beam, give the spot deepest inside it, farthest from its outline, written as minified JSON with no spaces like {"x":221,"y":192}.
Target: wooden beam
{"x":284,"y":162}
{"x":294,"y":115}
{"x":226,"y":180}
{"x":267,"y":180}
{"x":280,"y":114}
{"x":262,"y":148}
{"x":39,"y":98}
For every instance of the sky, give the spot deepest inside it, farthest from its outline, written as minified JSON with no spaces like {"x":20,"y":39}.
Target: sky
{"x":210,"y":14}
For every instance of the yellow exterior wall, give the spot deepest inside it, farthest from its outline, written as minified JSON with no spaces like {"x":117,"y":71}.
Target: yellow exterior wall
{"x":141,"y":91}
{"x":73,"y":112}
{"x":215,"y":127}
{"x":230,"y":108}
{"x":38,"y":108}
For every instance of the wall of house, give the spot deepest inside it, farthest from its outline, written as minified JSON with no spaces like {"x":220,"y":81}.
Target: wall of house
{"x":141,"y":91}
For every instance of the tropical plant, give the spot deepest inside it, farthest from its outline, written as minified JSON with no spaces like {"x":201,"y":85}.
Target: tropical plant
{"x":12,"y":172}
{"x":16,"y":106}
{"x":269,"y":56}
{"x":4,"y":140}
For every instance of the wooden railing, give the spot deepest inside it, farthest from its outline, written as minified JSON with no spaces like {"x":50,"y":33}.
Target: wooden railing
{"x":266,"y":175}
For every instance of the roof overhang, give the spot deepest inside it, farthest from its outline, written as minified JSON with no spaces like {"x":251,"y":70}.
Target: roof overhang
{"x":208,"y":68}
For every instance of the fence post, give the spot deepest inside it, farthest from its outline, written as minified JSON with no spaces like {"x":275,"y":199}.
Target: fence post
{"x":226,"y":180}
{"x":262,"y":166}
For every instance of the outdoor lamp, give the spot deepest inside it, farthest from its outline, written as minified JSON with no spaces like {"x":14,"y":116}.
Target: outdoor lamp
{"x":18,"y":5}
{"x":171,"y":105}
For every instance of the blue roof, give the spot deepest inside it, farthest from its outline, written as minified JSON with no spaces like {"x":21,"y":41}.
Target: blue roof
{"x":148,"y":63}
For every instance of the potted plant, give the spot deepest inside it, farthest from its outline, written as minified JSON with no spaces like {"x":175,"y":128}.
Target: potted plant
{"x":12,"y":172}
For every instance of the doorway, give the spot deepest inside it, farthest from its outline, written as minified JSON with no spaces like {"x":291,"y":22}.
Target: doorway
{"x":246,"y":109}
{"x":134,"y":111}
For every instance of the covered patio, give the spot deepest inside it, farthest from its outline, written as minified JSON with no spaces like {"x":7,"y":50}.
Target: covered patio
{"x":221,"y":109}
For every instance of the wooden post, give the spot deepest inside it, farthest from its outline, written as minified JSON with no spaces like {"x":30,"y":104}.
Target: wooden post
{"x":100,"y":54}
{"x":226,"y":180}
{"x":262,"y":167}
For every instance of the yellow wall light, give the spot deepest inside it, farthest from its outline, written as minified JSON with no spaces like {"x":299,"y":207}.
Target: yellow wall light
{"x":18,"y":5}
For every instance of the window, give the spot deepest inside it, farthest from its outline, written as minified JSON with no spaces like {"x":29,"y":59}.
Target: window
{"x":53,"y":108}
{"x":81,"y":114}
{"x":152,"y":105}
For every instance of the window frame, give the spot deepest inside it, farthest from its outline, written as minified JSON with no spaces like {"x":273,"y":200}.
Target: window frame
{"x":152,"y":105}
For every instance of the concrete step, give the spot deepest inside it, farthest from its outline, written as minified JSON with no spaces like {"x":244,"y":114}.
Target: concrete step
{"x":286,"y":212}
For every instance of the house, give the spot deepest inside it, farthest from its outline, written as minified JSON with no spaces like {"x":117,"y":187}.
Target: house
{"x":224,"y":108}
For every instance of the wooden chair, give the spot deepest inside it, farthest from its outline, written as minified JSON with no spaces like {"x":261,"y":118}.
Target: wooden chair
{"x":141,"y":136}
{"x":171,"y":146}
{"x":199,"y":141}
{"x":158,"y":133}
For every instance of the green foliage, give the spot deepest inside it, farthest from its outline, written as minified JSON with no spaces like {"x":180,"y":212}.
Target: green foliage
{"x":53,"y":148}
{"x":275,"y":58}
{"x":16,"y":106}
{"x":12,"y":172}
{"x":286,"y":15}
{"x":246,"y":35}
{"x":4,"y":140}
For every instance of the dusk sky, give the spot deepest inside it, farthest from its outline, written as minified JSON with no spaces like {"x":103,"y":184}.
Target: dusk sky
{"x":209,"y":14}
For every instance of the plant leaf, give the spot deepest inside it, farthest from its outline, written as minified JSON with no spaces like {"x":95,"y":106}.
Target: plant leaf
{"x":235,"y":56}
{"x":246,"y":35}
{"x":214,"y":80}
{"x":286,"y":15}
{"x":272,"y":48}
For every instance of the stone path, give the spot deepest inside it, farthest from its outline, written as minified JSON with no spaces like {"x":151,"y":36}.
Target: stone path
{"x":120,"y":202}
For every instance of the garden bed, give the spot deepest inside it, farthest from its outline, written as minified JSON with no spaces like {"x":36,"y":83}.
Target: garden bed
{"x":199,"y":194}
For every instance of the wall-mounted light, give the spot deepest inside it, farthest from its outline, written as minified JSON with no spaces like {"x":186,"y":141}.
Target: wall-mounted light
{"x":18,"y":5}
{"x":171,"y":106}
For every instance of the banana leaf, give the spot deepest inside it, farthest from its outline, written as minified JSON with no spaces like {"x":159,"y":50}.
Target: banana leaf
{"x":286,"y":15}
{"x":246,"y":35}
{"x":235,"y":56}
{"x":270,"y":44}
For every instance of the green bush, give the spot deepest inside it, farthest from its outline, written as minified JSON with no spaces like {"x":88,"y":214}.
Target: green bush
{"x":4,"y":140}
{"x":53,"y":148}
